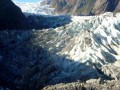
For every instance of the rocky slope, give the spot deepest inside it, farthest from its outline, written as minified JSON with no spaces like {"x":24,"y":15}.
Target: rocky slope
{"x":91,"y":85}
{"x":86,"y":48}
{"x":85,"y":7}
{"x":11,"y":17}
{"x":102,"y":6}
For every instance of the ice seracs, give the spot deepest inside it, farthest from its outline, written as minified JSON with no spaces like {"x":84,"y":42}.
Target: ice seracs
{"x":93,"y":41}
{"x":35,"y":8}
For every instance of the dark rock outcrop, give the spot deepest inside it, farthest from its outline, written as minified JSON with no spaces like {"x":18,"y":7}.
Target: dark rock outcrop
{"x":11,"y":16}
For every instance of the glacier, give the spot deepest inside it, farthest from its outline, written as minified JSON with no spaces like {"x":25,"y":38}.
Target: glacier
{"x":88,"y":47}
{"x":35,"y":8}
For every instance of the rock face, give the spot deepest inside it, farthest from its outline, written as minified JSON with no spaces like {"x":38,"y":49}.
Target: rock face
{"x":85,"y":7}
{"x":79,"y":7}
{"x":102,"y":6}
{"x":11,"y":17}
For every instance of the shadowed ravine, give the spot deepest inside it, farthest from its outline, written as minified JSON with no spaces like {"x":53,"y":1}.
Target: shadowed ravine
{"x":47,"y":21}
{"x":26,"y":66}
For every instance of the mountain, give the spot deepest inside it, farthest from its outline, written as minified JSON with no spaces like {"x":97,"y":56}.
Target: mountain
{"x":11,"y":16}
{"x":71,"y":7}
{"x":84,"y":7}
{"x":87,"y":48}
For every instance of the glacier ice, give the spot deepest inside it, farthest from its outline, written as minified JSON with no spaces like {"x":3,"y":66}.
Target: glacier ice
{"x":35,"y":8}
{"x":87,"y":47}
{"x":93,"y":42}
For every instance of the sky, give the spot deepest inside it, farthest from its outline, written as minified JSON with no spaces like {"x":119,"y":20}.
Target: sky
{"x":26,"y":0}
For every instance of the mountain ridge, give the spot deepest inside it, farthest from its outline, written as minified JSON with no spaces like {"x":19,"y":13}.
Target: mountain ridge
{"x":85,"y":7}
